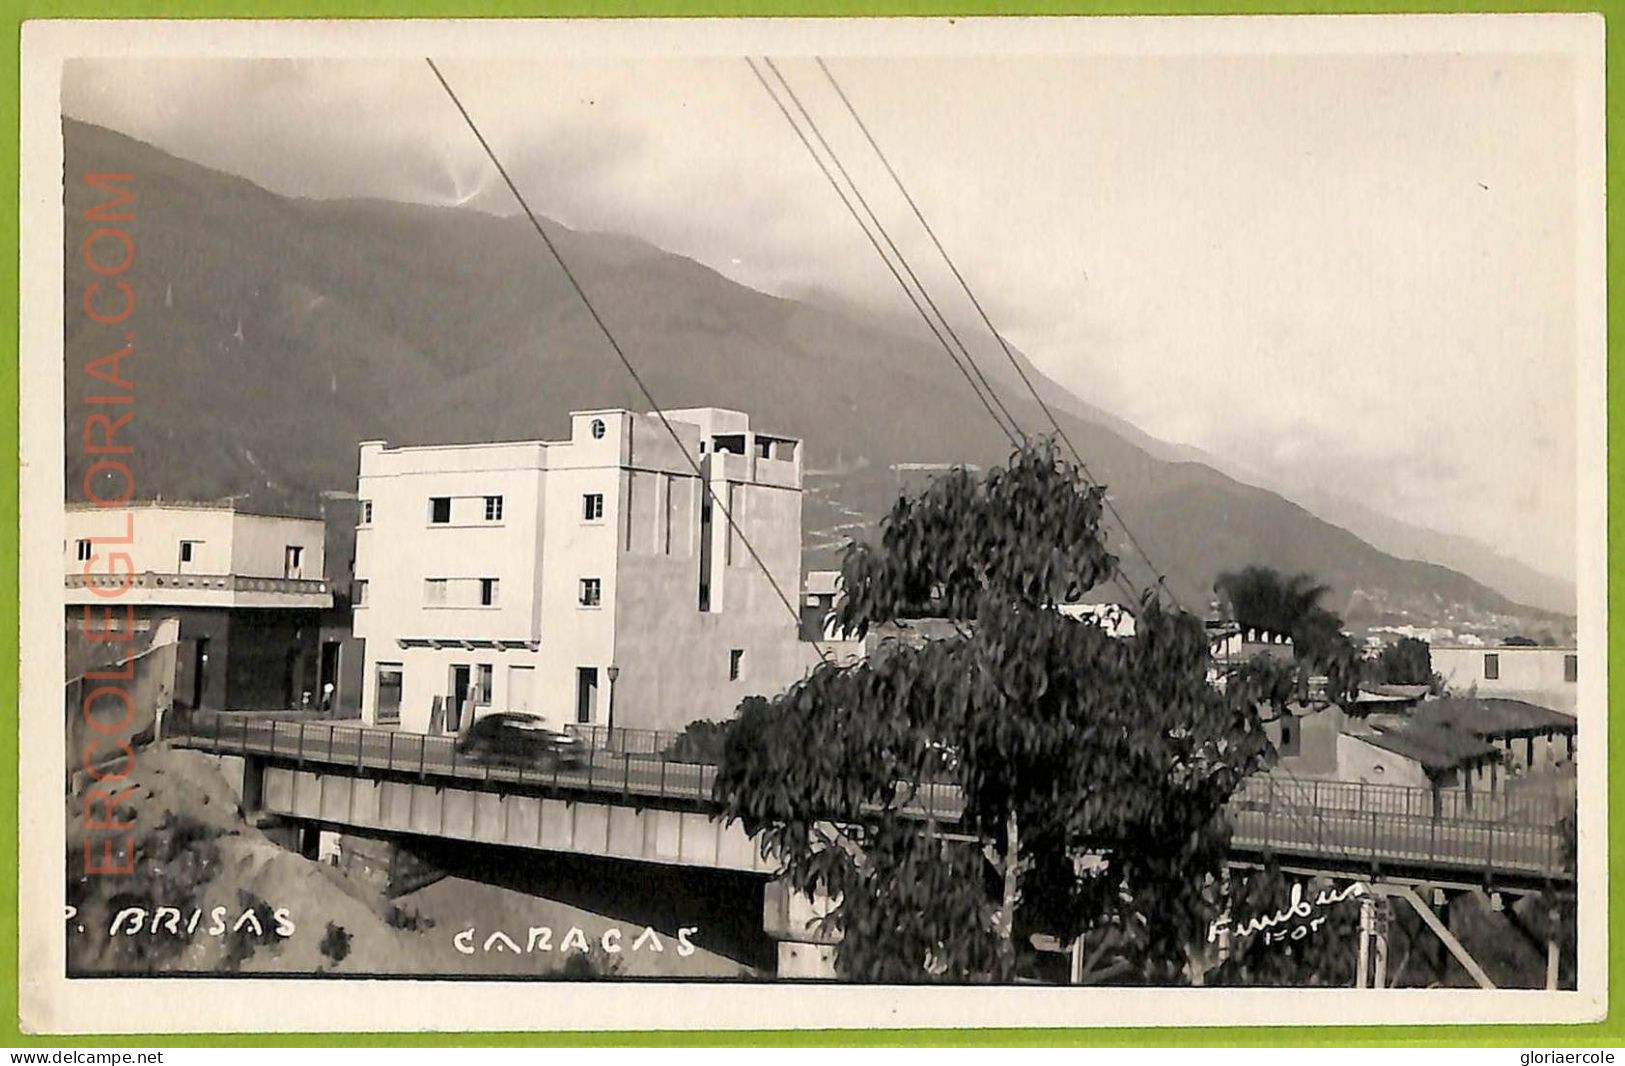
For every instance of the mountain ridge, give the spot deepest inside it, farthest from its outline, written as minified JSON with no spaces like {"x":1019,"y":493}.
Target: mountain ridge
{"x":290,"y":329}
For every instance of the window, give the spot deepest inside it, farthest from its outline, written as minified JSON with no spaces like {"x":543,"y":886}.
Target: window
{"x":293,"y":558}
{"x":434,"y":591}
{"x":592,"y":592}
{"x":705,"y":551}
{"x":366,"y":512}
{"x":188,"y":552}
{"x":388,"y":698}
{"x":598,"y":429}
{"x":1290,"y":737}
{"x":493,"y":508}
{"x":488,"y":592}
{"x":82,"y":550}
{"x":439,"y":510}
{"x":358,"y":593}
{"x":482,"y":684}
{"x":735,"y":658}
{"x":1571,"y":668}
{"x":592,"y":507}
{"x":521,"y":683}
{"x":1492,"y":667}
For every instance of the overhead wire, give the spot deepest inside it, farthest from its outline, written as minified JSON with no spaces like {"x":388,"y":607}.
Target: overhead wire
{"x":1118,"y":576}
{"x":620,"y":352}
{"x":1158,"y":574}
{"x":1012,"y":433}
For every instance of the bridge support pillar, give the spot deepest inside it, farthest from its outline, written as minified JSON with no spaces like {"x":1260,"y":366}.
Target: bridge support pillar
{"x":253,"y":794}
{"x":790,"y":918}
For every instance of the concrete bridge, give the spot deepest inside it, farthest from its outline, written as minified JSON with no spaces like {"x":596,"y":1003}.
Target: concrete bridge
{"x":658,"y":808}
{"x":653,"y":808}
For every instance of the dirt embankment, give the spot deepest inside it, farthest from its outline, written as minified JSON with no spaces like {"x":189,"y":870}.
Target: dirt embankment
{"x":209,"y":892}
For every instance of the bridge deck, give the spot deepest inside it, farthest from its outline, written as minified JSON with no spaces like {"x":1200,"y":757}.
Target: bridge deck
{"x":1334,"y":826}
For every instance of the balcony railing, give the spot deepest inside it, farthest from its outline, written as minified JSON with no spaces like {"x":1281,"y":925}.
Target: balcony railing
{"x":199,"y":583}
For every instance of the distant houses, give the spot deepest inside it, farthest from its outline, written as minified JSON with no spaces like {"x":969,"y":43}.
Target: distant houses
{"x":1548,"y":676}
{"x":1469,"y":746}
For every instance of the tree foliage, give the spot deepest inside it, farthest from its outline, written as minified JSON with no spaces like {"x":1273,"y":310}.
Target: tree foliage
{"x":1258,"y":597}
{"x":1407,"y":662}
{"x":1090,"y":772}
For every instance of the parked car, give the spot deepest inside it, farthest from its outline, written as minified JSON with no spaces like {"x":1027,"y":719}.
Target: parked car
{"x":520,"y":739}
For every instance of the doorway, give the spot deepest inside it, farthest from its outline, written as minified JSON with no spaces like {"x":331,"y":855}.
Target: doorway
{"x":329,"y":676}
{"x":191,"y":672}
{"x":459,"y":696}
{"x":200,"y":671}
{"x":586,"y":693}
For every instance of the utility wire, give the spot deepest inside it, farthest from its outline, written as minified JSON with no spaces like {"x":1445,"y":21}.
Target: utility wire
{"x":902,"y":259}
{"x":1012,"y":433}
{"x":619,"y":352}
{"x":1128,"y":534}
{"x":1118,"y":576}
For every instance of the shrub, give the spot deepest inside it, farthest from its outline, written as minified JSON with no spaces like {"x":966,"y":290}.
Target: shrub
{"x":700,"y":742}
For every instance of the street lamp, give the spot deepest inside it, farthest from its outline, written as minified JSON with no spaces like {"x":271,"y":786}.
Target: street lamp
{"x":613,"y":672}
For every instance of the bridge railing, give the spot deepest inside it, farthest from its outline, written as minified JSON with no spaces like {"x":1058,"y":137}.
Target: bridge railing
{"x":1404,"y":801}
{"x":1383,"y":826}
{"x":619,"y":740}
{"x":358,"y":748}
{"x":1375,"y":825}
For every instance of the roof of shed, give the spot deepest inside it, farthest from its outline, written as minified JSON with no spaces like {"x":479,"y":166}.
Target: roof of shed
{"x":1438,"y":750}
{"x":1493,"y":717}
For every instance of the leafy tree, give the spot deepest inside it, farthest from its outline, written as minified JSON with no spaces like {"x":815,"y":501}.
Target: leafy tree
{"x":1090,"y":773}
{"x":1518,"y":640}
{"x":1408,"y":662}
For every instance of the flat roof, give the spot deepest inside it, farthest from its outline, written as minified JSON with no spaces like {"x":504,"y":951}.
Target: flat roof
{"x":226,"y":507}
{"x":1504,"y":647}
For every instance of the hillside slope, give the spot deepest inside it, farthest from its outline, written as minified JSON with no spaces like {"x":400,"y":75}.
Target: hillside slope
{"x":275,"y":333}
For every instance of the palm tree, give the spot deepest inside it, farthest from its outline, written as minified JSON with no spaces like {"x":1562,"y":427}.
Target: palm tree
{"x":1258,"y":597}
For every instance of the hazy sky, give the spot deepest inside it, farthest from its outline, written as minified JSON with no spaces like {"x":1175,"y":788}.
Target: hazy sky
{"x":1355,"y":273}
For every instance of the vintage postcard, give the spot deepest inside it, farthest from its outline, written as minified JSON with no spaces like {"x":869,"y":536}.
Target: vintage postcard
{"x":748,"y":524}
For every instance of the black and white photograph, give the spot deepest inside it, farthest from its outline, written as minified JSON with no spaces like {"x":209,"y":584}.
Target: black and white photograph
{"x":859,"y":522}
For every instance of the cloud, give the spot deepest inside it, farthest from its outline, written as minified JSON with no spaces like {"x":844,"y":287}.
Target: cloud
{"x":1355,"y":271}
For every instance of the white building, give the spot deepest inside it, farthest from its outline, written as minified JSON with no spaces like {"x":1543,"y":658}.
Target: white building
{"x":247,"y":588}
{"x":589,"y":581}
{"x":1547,"y":676}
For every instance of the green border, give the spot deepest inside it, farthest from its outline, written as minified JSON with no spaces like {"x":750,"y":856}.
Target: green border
{"x":1610,"y":1032}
